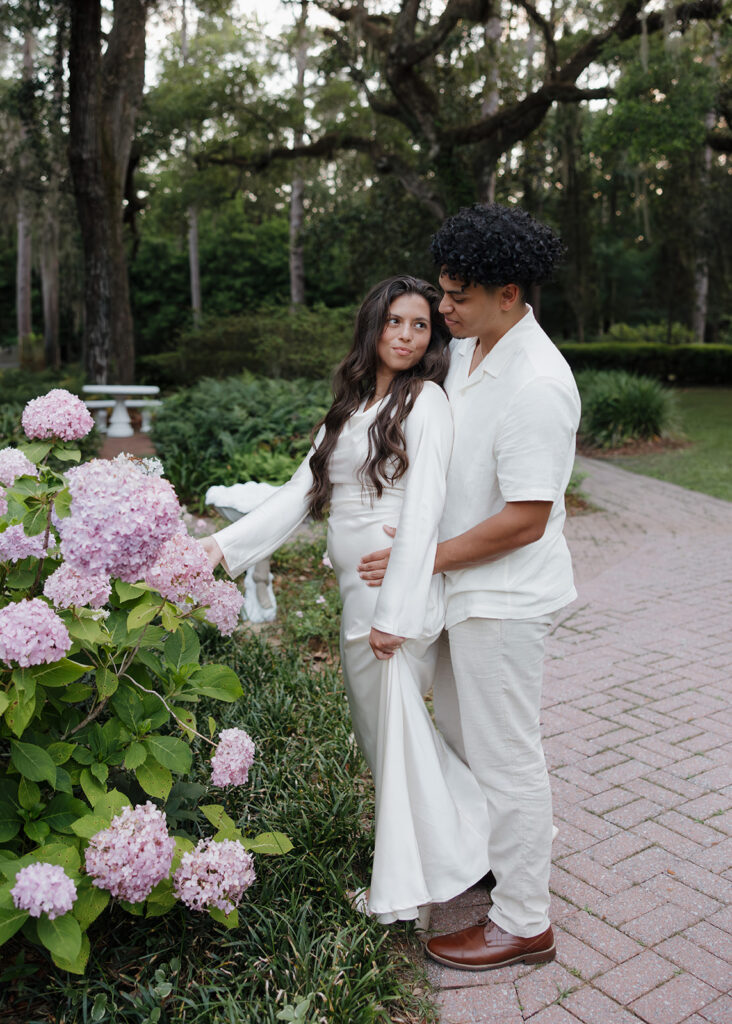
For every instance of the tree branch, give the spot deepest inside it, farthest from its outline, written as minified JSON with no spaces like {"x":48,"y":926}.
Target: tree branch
{"x":629,"y":24}
{"x":326,"y":147}
{"x":547,"y":30}
{"x":513,"y":117}
{"x":411,"y":51}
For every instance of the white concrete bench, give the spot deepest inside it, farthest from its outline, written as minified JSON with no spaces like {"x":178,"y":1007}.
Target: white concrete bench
{"x":147,"y":407}
{"x":100,"y":411}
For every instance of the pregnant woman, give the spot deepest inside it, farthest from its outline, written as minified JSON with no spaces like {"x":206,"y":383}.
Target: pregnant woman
{"x":381,"y":457}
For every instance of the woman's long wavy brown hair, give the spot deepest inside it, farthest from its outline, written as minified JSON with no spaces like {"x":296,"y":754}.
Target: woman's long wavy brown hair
{"x":355,"y":380}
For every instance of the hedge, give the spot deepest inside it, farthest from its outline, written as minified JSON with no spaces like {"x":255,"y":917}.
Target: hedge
{"x":275,"y":342}
{"x":709,"y":365}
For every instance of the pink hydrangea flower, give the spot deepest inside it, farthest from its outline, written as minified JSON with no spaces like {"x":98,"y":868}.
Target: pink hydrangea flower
{"x":120,"y":518}
{"x":16,"y":544}
{"x":214,"y":875}
{"x":31,"y":633}
{"x":12,"y":465}
{"x":44,"y":889}
{"x":67,"y":587}
{"x":131,"y":856}
{"x":233,"y":758}
{"x":182,"y":572}
{"x":224,"y":600}
{"x":57,"y":414}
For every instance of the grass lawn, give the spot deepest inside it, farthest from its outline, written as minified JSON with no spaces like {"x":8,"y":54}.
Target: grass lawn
{"x":705,"y":418}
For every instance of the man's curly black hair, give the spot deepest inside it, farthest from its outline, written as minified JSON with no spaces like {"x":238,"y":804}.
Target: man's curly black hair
{"x":493,"y":245}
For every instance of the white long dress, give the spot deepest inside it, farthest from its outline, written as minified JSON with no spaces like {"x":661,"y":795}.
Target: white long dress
{"x":431,"y":821}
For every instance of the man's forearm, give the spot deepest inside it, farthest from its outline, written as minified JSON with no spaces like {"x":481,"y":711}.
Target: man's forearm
{"x":517,"y":524}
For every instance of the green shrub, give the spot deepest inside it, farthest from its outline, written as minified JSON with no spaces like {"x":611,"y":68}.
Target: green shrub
{"x":274,"y":341}
{"x":685,"y":365}
{"x":619,"y":407}
{"x":229,"y":431}
{"x":653,"y":334}
{"x":97,"y":713}
{"x":298,"y":935}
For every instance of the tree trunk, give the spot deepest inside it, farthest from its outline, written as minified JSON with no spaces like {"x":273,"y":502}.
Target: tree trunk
{"x":49,"y":248}
{"x":49,"y":284}
{"x":104,"y":96}
{"x":23,"y":279}
{"x":297,"y":194}
{"x":23,"y":265}
{"x":491,"y":100}
{"x":701,"y":265}
{"x":194,"y":263}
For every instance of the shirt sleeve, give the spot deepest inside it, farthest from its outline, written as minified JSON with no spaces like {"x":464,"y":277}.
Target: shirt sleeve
{"x":403,"y":599}
{"x":535,"y":440}
{"x":256,"y":535}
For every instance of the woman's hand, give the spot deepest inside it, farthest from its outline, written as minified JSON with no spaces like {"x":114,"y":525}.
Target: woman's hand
{"x":384,"y":645}
{"x":212,"y":549}
{"x":372,"y":567}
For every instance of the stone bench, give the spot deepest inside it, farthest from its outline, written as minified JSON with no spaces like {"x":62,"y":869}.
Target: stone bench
{"x":147,"y":407}
{"x":99,"y":409}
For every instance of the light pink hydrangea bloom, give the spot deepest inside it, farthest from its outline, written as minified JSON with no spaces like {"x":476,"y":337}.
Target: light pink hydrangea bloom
{"x":131,"y":856}
{"x":67,"y":587}
{"x":214,"y":875}
{"x":16,"y":544}
{"x":182,"y":571}
{"x":44,"y":889}
{"x":233,"y":758}
{"x":12,"y":465}
{"x":224,"y":600}
{"x":31,"y":633}
{"x":57,"y":414}
{"x":120,"y":518}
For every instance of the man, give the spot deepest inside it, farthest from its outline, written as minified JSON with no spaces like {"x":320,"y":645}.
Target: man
{"x":506,"y":564}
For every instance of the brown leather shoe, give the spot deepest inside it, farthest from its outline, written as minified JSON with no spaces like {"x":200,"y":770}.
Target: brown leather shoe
{"x":485,"y":947}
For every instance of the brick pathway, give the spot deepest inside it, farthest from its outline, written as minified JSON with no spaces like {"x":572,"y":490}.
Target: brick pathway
{"x":637,"y":726}
{"x":139,"y":444}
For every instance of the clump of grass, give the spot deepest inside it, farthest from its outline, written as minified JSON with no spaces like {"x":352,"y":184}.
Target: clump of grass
{"x":298,"y":939}
{"x":618,"y":407}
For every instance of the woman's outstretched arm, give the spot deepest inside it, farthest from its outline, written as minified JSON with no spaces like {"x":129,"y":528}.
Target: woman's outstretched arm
{"x":256,"y":535}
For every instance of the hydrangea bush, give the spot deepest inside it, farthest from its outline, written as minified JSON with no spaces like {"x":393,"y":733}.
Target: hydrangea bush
{"x":101,"y":589}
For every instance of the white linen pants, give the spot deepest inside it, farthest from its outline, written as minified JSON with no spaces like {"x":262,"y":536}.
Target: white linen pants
{"x":487,"y":701}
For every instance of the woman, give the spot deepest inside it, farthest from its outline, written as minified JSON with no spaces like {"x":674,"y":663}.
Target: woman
{"x":381,"y":456}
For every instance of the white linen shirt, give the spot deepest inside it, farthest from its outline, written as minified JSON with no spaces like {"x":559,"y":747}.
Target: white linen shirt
{"x":515,"y":419}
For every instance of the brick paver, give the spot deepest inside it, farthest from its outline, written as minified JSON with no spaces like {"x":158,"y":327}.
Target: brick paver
{"x":637,"y":729}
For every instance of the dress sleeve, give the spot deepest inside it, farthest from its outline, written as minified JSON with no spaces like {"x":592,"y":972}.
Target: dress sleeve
{"x":256,"y":535}
{"x":403,"y":599}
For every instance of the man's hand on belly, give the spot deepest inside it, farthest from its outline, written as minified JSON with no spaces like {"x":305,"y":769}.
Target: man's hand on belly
{"x":384,"y":645}
{"x":372,"y":567}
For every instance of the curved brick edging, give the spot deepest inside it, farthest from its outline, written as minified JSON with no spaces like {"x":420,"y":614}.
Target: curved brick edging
{"x":637,"y":729}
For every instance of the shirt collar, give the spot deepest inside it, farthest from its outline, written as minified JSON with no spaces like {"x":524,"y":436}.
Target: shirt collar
{"x":504,"y":348}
